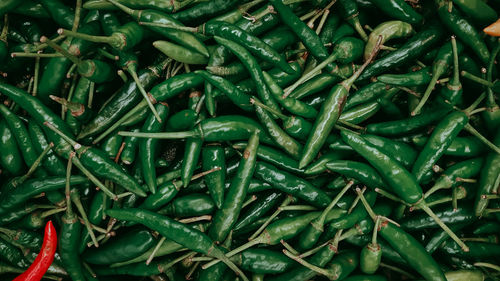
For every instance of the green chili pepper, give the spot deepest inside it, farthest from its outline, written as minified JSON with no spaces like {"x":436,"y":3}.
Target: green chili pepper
{"x":17,"y":196}
{"x":411,"y":49}
{"x":204,"y":10}
{"x":168,"y":7}
{"x":327,"y":117}
{"x":488,"y":179}
{"x":464,"y":214}
{"x":153,"y":16}
{"x":402,"y":182}
{"x":263,"y":261}
{"x":388,"y":30}
{"x":178,"y":232}
{"x":356,"y":170}
{"x":274,"y":157}
{"x":123,"y":248}
{"x":462,"y":29}
{"x":399,"y":10}
{"x":440,"y":66}
{"x":452,"y":175}
{"x":291,"y":184}
{"x":411,"y":124}
{"x":180,"y":53}
{"x":148,"y":147}
{"x":213,"y":157}
{"x":11,"y":159}
{"x":189,"y":206}
{"x":56,"y":69}
{"x":349,"y":9}
{"x":417,"y":77}
{"x":161,"y":92}
{"x":226,"y":217}
{"x":59,"y":12}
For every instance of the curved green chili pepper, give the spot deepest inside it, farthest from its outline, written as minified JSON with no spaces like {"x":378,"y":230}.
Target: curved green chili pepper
{"x":122,"y":248}
{"x":148,"y":147}
{"x":413,"y":48}
{"x":213,"y":157}
{"x":388,"y":30}
{"x":226,"y":217}
{"x":462,"y":29}
{"x":488,"y":179}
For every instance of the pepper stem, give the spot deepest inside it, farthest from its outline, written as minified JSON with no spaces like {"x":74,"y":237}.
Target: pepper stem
{"x":155,"y":250}
{"x":118,"y":123}
{"x":35,"y":55}
{"x":237,"y":250}
{"x":476,"y":79}
{"x":60,"y":50}
{"x":144,"y":94}
{"x":125,"y":9}
{"x":349,"y":81}
{"x":475,"y":104}
{"x":453,"y":236}
{"x":375,"y":231}
{"x":72,"y":106}
{"x":313,"y":72}
{"x":167,"y":135}
{"x":34,"y":166}
{"x":321,"y":219}
{"x":488,"y":265}
{"x":289,"y":247}
{"x":5,"y":28}
{"x":73,"y":143}
{"x":87,"y":37}
{"x":454,"y":198}
{"x":93,"y":179}
{"x":107,"y":54}
{"x":285,"y":202}
{"x":69,"y":211}
{"x":316,"y":249}
{"x":78,"y":11}
{"x":196,"y":219}
{"x":122,"y":75}
{"x":456,"y":70}
{"x":483,"y":139}
{"x":75,"y":197}
{"x":231,"y":265}
{"x":249,"y":201}
{"x":369,"y":209}
{"x":390,"y":196}
{"x":426,"y":95}
{"x":329,"y":273}
{"x":280,"y":115}
{"x":171,"y":26}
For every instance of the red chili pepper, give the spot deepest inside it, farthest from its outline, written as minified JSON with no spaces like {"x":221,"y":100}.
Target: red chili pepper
{"x":44,"y":259}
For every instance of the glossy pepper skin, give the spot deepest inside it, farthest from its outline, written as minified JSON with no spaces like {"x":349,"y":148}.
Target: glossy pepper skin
{"x":413,"y":48}
{"x":10,"y":159}
{"x":127,"y":97}
{"x":213,"y":157}
{"x":121,"y":248}
{"x":226,"y":217}
{"x":148,"y":147}
{"x":412,"y":251}
{"x":291,"y":184}
{"x":462,"y":29}
{"x":398,"y":9}
{"x":441,"y":138}
{"x":488,"y":179}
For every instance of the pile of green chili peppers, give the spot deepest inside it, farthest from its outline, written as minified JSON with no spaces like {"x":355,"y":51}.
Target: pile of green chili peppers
{"x":227,"y":140}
